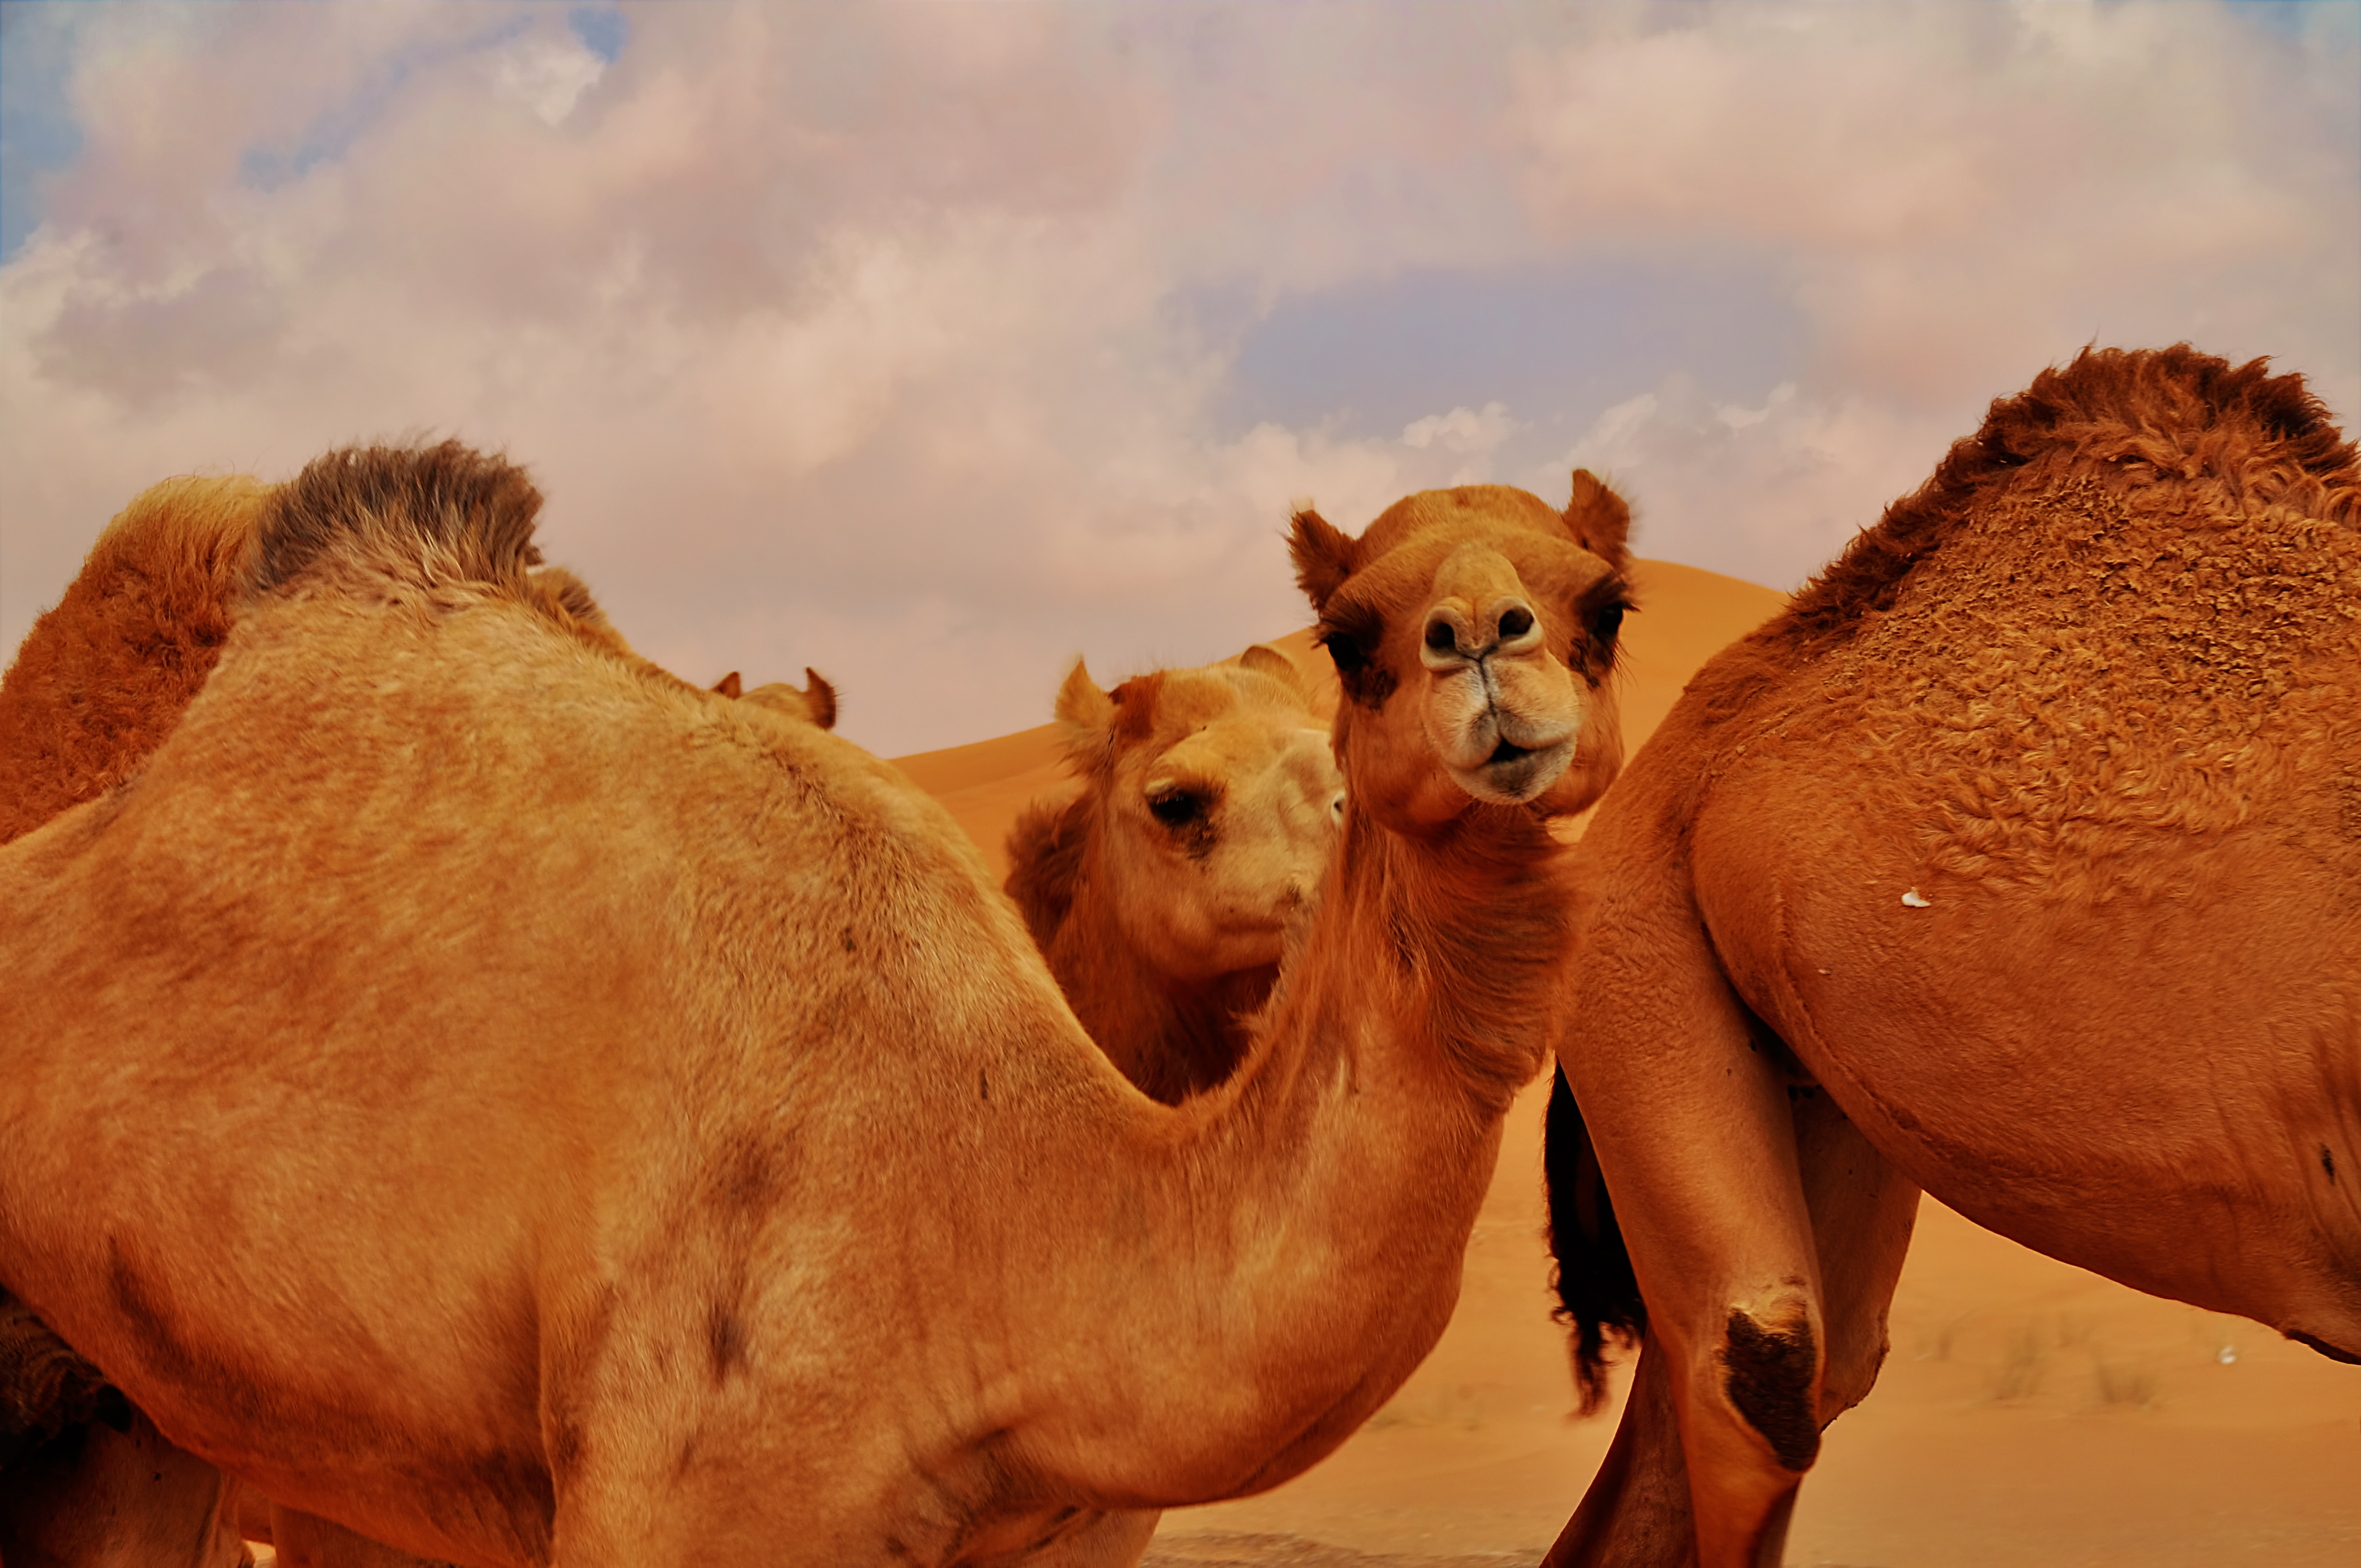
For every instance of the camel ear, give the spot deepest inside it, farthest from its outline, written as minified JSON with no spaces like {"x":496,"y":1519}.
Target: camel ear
{"x":1324,"y":556}
{"x":1598,"y":518}
{"x":1270,"y":662}
{"x":820,"y":698}
{"x":1084,"y":713}
{"x":728,"y":685}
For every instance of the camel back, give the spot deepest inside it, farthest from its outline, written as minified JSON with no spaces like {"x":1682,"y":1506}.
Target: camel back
{"x":2125,"y":607}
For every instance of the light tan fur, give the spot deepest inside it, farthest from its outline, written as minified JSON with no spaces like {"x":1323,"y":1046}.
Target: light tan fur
{"x":2018,"y":859}
{"x":94,"y":688}
{"x":1162,"y":895}
{"x":523,"y":1109}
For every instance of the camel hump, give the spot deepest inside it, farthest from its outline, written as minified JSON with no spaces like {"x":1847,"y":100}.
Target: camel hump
{"x":105,"y":675}
{"x":2262,"y":439}
{"x":422,"y":517}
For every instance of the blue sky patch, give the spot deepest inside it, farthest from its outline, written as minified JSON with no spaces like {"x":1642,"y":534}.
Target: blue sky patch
{"x":603,"y":32}
{"x":1558,"y":343}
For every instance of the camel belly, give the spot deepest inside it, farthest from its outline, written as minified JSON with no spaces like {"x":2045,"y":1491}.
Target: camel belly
{"x":2166,"y":1089}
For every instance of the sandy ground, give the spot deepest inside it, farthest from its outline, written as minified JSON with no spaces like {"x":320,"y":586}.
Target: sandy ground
{"x":2031,"y":1413}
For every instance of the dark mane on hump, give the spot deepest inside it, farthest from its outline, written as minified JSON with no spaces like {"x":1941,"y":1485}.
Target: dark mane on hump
{"x":2173,"y":409}
{"x":419,"y":515}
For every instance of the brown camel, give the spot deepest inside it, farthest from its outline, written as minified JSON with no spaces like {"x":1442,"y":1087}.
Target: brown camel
{"x":677,"y":1148}
{"x":2019,"y":861}
{"x":1161,"y":895}
{"x":95,"y":686}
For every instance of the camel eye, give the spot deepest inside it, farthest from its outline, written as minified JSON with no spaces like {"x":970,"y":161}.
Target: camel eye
{"x":1350,"y":656}
{"x":1607,"y":620}
{"x":1176,"y":807}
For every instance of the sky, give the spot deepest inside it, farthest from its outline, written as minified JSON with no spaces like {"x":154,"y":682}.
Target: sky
{"x":931,"y":344}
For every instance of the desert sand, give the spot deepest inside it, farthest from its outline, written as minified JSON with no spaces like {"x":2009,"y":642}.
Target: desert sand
{"x":2031,"y":1413}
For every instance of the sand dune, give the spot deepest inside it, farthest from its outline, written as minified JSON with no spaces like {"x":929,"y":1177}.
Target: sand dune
{"x":2031,"y":1413}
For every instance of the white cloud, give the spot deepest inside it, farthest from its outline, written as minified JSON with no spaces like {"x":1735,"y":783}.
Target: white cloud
{"x":852,"y":336}
{"x":547,"y":74}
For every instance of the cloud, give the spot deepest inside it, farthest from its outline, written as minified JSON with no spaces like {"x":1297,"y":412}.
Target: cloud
{"x":930,"y":345}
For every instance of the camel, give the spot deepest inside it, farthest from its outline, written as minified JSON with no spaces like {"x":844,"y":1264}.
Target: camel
{"x":1161,"y":895}
{"x":679,"y":1149}
{"x":2018,"y":861}
{"x":98,"y":682}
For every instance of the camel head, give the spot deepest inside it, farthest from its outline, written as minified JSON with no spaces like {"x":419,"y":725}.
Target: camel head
{"x":815,"y":702}
{"x":1217,"y":804}
{"x":1474,"y":630}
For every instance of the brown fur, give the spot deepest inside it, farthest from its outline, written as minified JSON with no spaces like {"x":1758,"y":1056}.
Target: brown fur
{"x":2016,"y":860}
{"x":102,"y":677}
{"x":641,"y":1071}
{"x":1165,"y":935}
{"x":96,"y":687}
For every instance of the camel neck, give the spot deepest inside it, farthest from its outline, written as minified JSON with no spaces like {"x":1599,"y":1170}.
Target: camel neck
{"x":1297,"y":1235}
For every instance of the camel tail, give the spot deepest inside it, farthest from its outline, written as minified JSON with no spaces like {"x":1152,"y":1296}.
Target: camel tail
{"x":393,"y":522}
{"x":104,"y":676}
{"x":1597,"y":1291}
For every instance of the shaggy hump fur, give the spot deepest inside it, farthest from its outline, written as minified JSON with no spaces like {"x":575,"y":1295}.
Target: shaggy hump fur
{"x":2172,"y":410}
{"x":369,"y":510}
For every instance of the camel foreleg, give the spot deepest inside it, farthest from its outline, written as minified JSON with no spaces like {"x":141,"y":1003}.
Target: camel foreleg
{"x":1695,"y":1136}
{"x":1636,"y":1512}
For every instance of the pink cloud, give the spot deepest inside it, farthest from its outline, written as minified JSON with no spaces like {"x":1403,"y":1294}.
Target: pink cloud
{"x":848,"y":335}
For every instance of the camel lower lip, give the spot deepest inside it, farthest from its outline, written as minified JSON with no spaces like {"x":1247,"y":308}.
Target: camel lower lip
{"x":1512,"y":774}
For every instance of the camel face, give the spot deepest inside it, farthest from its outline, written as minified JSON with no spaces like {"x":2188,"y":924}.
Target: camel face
{"x":1219,"y":803}
{"x":1474,"y":632}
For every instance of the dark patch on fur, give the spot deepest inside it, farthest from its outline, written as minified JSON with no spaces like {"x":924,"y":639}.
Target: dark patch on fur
{"x":1045,"y":865}
{"x":475,"y":513}
{"x":2103,"y":390}
{"x":2328,"y":1164}
{"x":1590,"y":1267}
{"x":2349,"y":1357}
{"x":45,"y":1388}
{"x":745,"y":1178}
{"x":725,"y":1338}
{"x":1768,"y":1375}
{"x":1134,"y":713}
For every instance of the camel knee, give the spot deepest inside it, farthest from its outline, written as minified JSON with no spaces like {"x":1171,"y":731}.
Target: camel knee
{"x":1770,"y":1370}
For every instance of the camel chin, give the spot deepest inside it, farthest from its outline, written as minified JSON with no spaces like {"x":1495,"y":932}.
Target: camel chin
{"x":1513,"y":776}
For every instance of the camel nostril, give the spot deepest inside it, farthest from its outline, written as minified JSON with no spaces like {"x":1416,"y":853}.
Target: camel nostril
{"x":1440,"y":636}
{"x":1515,"y":622}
